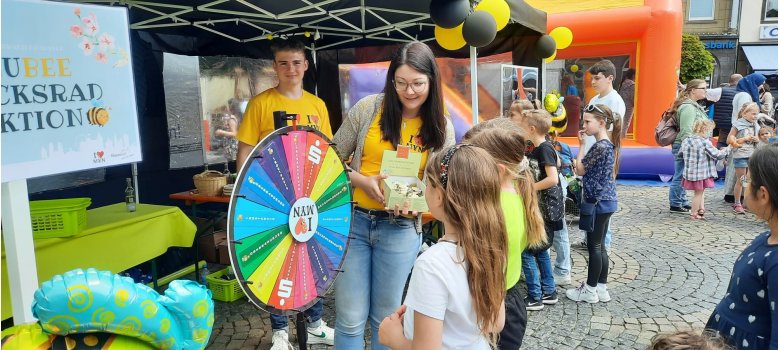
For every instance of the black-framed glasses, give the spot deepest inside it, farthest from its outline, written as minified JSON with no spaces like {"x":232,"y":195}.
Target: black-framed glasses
{"x":591,"y":108}
{"x":417,"y":86}
{"x":701,"y":88}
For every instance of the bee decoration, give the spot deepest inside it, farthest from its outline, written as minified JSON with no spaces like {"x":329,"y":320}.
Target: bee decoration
{"x":97,"y":115}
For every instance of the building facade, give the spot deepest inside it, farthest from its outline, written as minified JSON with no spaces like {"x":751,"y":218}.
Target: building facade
{"x":716,"y":23}
{"x":758,"y":39}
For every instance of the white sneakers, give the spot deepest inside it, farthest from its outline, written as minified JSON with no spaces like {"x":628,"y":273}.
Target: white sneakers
{"x":589,"y":294}
{"x":562,"y":280}
{"x":320,"y":335}
{"x":281,"y":341}
{"x":603,"y":294}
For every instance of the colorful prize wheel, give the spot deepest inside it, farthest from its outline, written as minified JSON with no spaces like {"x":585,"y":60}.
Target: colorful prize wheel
{"x":290,"y":217}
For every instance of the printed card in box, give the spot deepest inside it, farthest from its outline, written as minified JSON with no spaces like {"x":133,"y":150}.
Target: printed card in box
{"x":402,"y":184}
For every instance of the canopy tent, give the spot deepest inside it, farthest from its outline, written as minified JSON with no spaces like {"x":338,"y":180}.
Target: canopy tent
{"x":324,"y":23}
{"x":243,"y":28}
{"x":351,"y":31}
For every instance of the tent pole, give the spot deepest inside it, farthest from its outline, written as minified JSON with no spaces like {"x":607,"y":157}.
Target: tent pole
{"x":474,"y":92}
{"x":19,"y":249}
{"x":314,"y":61}
{"x":134,"y":171}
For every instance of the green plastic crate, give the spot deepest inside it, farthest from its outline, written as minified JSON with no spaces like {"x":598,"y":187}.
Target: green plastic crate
{"x":224,"y":290}
{"x":59,"y":217}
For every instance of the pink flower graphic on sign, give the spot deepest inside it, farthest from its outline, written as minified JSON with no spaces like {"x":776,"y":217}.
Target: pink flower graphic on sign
{"x":101,"y":57}
{"x":87,"y":46}
{"x":91,"y":38}
{"x":90,"y":22}
{"x":106,"y":42}
{"x":75,"y":30}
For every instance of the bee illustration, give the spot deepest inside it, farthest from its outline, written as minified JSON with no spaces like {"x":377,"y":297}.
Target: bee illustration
{"x":97,"y":115}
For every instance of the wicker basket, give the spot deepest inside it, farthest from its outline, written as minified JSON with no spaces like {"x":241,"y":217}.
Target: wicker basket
{"x":210,"y":182}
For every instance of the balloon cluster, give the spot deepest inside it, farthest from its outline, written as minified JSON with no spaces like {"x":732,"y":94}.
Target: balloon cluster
{"x":548,"y":45}
{"x":457,"y":25}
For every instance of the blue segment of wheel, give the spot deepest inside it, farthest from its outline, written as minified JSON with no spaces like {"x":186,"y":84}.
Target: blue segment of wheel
{"x":274,"y":161}
{"x":251,"y":218}
{"x":334,"y":245}
{"x":337,"y":219}
{"x":258,"y":187}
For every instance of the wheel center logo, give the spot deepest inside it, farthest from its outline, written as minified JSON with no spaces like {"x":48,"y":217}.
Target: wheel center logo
{"x":303,"y":219}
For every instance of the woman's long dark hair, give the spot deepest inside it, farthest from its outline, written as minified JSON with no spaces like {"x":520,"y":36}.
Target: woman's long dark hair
{"x":419,"y":57}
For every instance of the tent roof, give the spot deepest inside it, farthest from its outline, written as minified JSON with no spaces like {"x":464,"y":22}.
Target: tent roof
{"x":328,"y":23}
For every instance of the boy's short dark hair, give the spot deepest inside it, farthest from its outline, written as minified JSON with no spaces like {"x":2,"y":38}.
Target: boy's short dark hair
{"x":287,"y":45}
{"x":605,"y":67}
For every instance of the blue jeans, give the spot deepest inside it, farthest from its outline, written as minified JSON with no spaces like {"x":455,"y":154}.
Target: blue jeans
{"x":538,"y":274}
{"x":314,"y":313}
{"x":562,"y":252}
{"x":561,"y":242}
{"x":380,"y":257}
{"x":677,"y":195}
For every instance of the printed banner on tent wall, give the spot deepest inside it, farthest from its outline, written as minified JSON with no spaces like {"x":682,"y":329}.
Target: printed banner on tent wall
{"x":68,"y":99}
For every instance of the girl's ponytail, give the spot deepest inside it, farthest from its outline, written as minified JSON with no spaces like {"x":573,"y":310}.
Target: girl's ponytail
{"x":617,"y":125}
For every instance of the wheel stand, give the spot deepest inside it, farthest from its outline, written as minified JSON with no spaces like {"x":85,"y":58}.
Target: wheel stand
{"x":300,"y":330}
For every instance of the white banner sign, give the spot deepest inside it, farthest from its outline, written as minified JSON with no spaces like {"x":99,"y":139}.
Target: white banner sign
{"x":68,"y":98}
{"x":768,"y":32}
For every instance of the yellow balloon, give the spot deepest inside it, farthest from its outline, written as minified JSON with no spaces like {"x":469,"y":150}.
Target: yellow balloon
{"x":499,"y":9}
{"x":562,"y":36}
{"x":574,"y":68}
{"x":551,"y":58}
{"x":450,"y":39}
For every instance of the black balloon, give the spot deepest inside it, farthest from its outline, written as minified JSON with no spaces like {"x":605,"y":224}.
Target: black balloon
{"x":479,"y":29}
{"x":545,"y":46}
{"x":449,"y":13}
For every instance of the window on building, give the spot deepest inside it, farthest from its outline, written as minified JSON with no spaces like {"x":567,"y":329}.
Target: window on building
{"x":700,"y":10}
{"x":770,"y":10}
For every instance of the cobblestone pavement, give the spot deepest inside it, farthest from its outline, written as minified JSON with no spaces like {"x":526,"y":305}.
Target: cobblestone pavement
{"x":667,"y":272}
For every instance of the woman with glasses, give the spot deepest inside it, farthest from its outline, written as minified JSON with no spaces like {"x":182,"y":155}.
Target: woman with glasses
{"x":687,"y":111}
{"x":408,"y":114}
{"x":747,"y":315}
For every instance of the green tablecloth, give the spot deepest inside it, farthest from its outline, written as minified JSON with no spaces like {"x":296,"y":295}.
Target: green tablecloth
{"x":114,"y":240}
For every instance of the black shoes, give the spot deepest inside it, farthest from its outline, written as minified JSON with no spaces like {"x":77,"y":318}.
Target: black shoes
{"x":533,"y":305}
{"x":550,"y":299}
{"x":680,"y":210}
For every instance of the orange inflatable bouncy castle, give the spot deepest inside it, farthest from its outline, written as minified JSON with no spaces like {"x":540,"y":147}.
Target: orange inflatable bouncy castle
{"x":648,"y":31}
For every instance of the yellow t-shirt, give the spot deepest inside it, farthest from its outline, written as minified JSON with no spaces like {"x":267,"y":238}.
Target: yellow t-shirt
{"x":258,"y":119}
{"x":374,"y":150}
{"x":517,"y":239}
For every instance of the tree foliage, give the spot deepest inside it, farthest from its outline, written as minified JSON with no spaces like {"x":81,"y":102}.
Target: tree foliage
{"x":696,"y":62}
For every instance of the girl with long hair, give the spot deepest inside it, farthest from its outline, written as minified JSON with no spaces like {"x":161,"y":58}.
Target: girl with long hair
{"x":456,"y":294}
{"x":505,"y":142}
{"x":598,"y":169}
{"x":385,"y":241}
{"x":687,"y":112}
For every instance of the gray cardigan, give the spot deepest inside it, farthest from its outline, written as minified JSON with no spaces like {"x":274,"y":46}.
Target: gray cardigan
{"x":351,"y":136}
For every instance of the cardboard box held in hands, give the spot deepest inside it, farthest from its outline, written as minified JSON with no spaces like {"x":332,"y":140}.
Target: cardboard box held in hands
{"x":402,"y":185}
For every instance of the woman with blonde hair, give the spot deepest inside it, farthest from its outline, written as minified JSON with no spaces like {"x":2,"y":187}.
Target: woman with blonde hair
{"x":687,"y":111}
